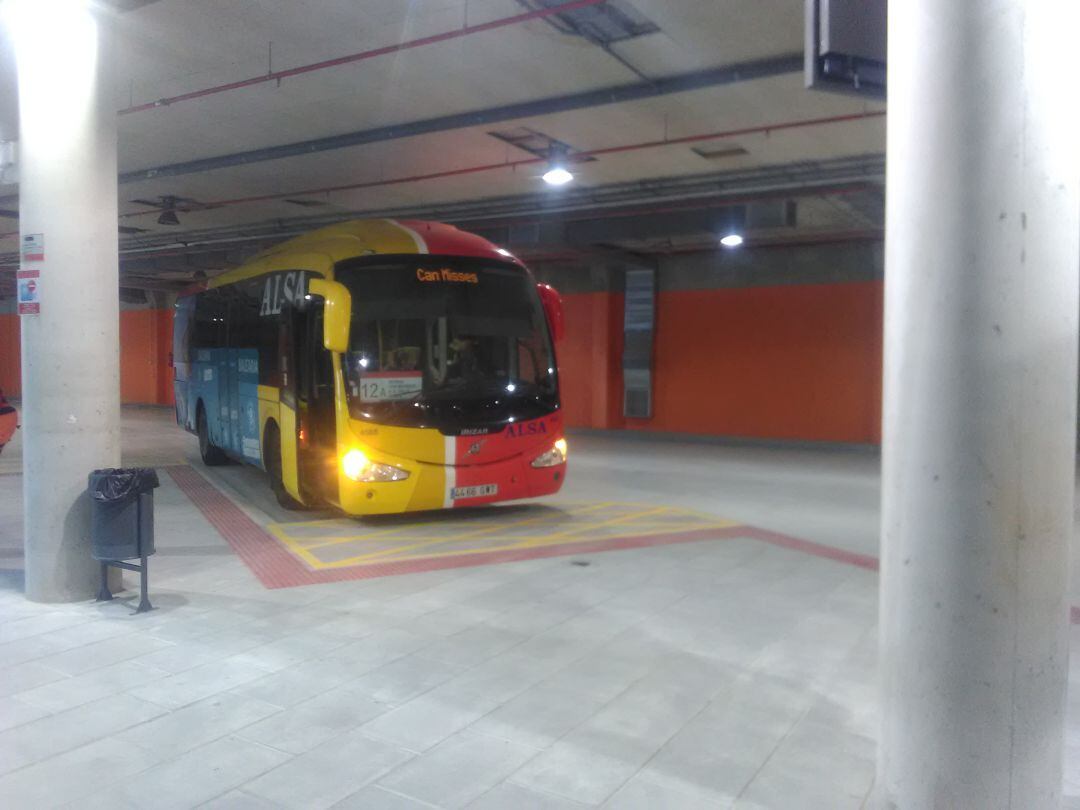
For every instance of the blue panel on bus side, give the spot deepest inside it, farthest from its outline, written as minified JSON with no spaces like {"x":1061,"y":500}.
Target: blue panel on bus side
{"x":204,"y":384}
{"x":230,"y":412}
{"x":184,"y":417}
{"x":223,"y":437}
{"x":247,"y":389}
{"x":227,"y":382}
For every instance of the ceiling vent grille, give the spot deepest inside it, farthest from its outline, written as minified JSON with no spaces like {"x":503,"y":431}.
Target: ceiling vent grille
{"x":603,"y":24}
{"x":538,"y":144}
{"x":719,"y":151}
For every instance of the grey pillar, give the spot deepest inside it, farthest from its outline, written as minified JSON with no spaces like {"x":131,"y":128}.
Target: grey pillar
{"x":70,"y":351}
{"x":981,"y":309}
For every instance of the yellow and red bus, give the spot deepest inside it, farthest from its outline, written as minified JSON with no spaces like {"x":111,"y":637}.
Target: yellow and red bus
{"x":377,"y":366}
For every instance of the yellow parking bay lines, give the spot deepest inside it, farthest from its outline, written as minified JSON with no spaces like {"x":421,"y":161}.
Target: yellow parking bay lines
{"x":345,"y":542}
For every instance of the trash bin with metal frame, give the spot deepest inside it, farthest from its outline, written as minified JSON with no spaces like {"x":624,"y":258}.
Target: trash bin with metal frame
{"x":122,"y":524}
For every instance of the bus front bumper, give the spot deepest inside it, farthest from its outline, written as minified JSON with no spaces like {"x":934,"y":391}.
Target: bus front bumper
{"x":436,"y":486}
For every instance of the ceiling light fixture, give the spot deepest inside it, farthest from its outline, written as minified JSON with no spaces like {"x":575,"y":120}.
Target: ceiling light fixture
{"x":732,"y":240}
{"x":558,"y":175}
{"x":168,"y":217}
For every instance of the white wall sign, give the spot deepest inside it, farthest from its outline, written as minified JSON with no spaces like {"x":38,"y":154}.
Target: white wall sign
{"x":33,"y":247}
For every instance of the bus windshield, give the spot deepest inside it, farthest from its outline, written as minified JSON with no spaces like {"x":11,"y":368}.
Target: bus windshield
{"x":452,"y":343}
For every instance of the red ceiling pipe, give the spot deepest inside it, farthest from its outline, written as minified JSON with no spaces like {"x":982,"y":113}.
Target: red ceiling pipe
{"x":799,"y":240}
{"x":278,"y":75}
{"x":733,"y":133}
{"x":513,"y":164}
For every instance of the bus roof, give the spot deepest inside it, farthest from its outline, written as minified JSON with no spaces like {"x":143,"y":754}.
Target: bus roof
{"x":363,"y":237}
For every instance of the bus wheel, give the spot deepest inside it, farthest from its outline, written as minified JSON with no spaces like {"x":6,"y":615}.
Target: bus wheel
{"x":272,"y":461}
{"x":212,"y":456}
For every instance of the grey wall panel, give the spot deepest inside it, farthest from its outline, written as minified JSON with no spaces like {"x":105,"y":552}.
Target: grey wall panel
{"x":639,"y":338}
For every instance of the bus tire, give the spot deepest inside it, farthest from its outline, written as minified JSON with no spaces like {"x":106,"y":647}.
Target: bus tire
{"x":272,"y":462}
{"x":211,"y":454}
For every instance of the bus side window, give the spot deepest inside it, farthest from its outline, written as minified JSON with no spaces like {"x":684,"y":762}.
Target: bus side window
{"x":302,"y":344}
{"x":182,"y":319}
{"x":322,"y":368}
{"x":285,"y":346}
{"x":208,"y":326}
{"x":251,"y":328}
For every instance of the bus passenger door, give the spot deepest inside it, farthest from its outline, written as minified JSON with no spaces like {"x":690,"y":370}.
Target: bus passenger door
{"x":318,"y":448}
{"x":290,"y":417}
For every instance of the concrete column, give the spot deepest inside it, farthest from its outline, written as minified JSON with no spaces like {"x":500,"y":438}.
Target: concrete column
{"x":70,"y":352}
{"x":981,"y":309}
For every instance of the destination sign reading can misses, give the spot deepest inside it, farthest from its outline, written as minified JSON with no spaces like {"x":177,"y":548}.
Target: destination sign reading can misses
{"x":446,"y":274}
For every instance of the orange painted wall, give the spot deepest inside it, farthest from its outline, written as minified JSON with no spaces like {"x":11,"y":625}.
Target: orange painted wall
{"x":10,"y":362}
{"x":590,"y":359}
{"x":145,"y":347}
{"x":146,"y":342}
{"x":798,"y":362}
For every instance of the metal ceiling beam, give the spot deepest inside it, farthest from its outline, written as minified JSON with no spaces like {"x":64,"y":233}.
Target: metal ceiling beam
{"x":683,"y":193}
{"x":228,"y":246}
{"x":124,"y":6}
{"x":682,"y":83}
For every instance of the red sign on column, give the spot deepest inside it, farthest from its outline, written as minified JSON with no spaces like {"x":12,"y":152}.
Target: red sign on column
{"x":29,"y":292}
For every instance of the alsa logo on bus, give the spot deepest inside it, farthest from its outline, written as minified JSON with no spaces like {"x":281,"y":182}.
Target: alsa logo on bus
{"x":526,"y":429}
{"x":278,"y":289}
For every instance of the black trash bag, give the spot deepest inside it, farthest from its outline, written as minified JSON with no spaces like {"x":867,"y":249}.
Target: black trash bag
{"x":111,"y":486}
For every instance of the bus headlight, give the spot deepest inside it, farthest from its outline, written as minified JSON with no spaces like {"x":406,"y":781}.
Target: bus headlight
{"x":359,"y":467}
{"x":553,"y":457}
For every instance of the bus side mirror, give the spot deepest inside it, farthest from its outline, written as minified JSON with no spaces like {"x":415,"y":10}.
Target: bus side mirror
{"x":337,"y":312}
{"x":553,"y":310}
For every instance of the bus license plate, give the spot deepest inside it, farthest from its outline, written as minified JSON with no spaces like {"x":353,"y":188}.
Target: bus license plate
{"x":483,"y":491}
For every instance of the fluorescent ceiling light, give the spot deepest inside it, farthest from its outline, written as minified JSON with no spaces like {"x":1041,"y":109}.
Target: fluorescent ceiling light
{"x":558,"y":176}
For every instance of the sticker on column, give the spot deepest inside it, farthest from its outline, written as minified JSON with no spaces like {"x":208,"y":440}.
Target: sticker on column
{"x":28,"y":285}
{"x":33,"y":247}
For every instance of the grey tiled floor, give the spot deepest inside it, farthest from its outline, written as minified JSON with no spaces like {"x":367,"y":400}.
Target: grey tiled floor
{"x":723,"y":674}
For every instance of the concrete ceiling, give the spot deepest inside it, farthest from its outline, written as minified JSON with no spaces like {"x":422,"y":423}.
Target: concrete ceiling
{"x":172,"y":47}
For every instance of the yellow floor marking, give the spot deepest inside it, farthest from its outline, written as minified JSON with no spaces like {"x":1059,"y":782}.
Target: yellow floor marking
{"x":319,"y":522}
{"x":613,"y":521}
{"x":432,"y":541}
{"x":689,"y":527}
{"x":529,"y":543}
{"x":374,"y":534}
{"x":378,"y":534}
{"x":566,"y":507}
{"x":303,"y":548}
{"x":296,"y":548}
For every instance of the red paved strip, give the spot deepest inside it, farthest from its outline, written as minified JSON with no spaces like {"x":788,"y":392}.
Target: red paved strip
{"x":276,"y":567}
{"x":260,"y":551}
{"x":808,"y":547}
